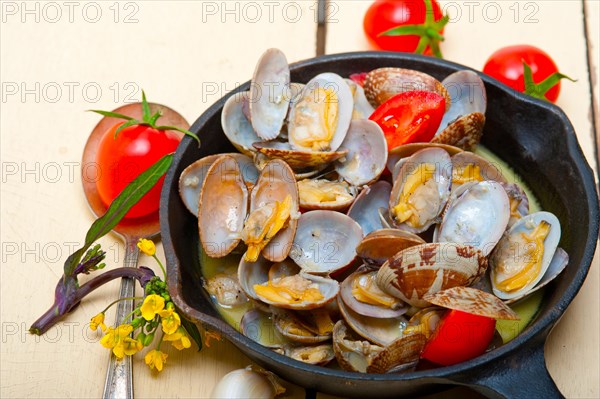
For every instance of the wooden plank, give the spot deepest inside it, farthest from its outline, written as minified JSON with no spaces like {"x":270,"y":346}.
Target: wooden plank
{"x":185,"y":54}
{"x":476,"y":29}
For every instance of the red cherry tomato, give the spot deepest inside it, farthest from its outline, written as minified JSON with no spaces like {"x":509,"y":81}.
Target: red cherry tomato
{"x":506,"y":65}
{"x":122,"y":159}
{"x":384,"y":15}
{"x":459,"y":337}
{"x":410,"y":117}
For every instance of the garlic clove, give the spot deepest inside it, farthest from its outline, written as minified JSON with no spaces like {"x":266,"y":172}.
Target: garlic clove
{"x":251,"y":382}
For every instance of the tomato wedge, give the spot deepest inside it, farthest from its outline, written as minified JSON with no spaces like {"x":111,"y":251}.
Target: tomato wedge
{"x":459,"y":337}
{"x":410,"y":117}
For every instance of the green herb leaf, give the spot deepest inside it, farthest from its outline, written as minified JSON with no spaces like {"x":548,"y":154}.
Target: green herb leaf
{"x":192,"y":330}
{"x":145,"y":109}
{"x":405,"y":30}
{"x":184,"y":131}
{"x":111,"y":114}
{"x":119,"y":207}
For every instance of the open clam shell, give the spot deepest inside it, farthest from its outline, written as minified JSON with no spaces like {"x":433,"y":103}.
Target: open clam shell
{"x":462,"y":124}
{"x":297,"y":159}
{"x":316,"y":354}
{"x":325,"y":241}
{"x":423,"y":187}
{"x":351,"y":351}
{"x":472,"y":300}
{"x":401,"y":355}
{"x":363,"y":308}
{"x":275,"y":183}
{"x":192,"y":177}
{"x":478,"y":217}
{"x":259,"y":326}
{"x":367,"y":153}
{"x":222,"y":207}
{"x":291,"y":326}
{"x":307,"y":119}
{"x":365,"y":209}
{"x":383,"y":83}
{"x":407,"y":150}
{"x":262,"y":272}
{"x":236,"y":126}
{"x":377,"y":330}
{"x":325,"y":194}
{"x":429,"y":268}
{"x":519,"y":202}
{"x":270,"y":94}
{"x":380,"y":245}
{"x":515,"y":252}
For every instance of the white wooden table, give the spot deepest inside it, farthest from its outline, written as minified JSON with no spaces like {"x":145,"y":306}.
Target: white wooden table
{"x":58,"y":59}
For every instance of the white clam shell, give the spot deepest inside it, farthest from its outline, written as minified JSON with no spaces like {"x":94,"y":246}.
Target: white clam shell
{"x":524,"y":225}
{"x":367,"y":153}
{"x":362,"y":108}
{"x":345,"y":105}
{"x":270,"y":94}
{"x":192,"y":178}
{"x":477,"y":218}
{"x":365,"y":210}
{"x":236,"y":126}
{"x":325,"y":241}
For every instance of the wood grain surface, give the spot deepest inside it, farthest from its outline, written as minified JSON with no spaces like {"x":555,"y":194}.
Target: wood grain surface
{"x":188,"y":54}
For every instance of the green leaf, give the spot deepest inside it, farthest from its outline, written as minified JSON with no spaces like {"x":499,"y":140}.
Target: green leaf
{"x":192,"y":330}
{"x":429,"y":17}
{"x":539,"y":90}
{"x":154,"y":118}
{"x":405,"y":30}
{"x":126,"y":125}
{"x":145,"y":108}
{"x":119,"y":207}
{"x":111,"y":114}
{"x":184,"y":131}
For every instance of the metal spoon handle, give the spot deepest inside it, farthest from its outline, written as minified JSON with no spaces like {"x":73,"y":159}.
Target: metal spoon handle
{"x":119,"y":377}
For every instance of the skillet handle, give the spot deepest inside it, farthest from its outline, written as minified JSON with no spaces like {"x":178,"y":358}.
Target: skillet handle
{"x":520,"y":376}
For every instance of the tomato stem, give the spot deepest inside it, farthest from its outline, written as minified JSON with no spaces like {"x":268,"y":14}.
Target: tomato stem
{"x":429,"y":31}
{"x":539,"y":90}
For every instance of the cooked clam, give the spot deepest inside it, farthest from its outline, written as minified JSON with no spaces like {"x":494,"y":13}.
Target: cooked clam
{"x":380,"y":245}
{"x":351,"y":351}
{"x":318,"y":354}
{"x":325,"y":241}
{"x":519,"y":203}
{"x":468,"y":167}
{"x":406,"y":150}
{"x":401,"y":355}
{"x":297,"y":328}
{"x":362,"y":108}
{"x":383,"y":83}
{"x":472,"y":300}
{"x":297,"y":159}
{"x":360,"y":292}
{"x":428,"y":268}
{"x":236,"y":126}
{"x":478,"y":217}
{"x":258,"y":326}
{"x":226,"y":290}
{"x":524,"y":254}
{"x":325,"y":194}
{"x":222,"y":207}
{"x":320,"y":118}
{"x":421,"y":190}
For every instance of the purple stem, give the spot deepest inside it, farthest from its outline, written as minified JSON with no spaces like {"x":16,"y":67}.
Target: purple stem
{"x":67,"y":297}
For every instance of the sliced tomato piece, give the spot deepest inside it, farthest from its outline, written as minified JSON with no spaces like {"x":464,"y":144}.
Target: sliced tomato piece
{"x":459,"y":337}
{"x":410,"y":117}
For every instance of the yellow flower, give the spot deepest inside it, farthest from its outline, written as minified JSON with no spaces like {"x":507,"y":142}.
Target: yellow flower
{"x":98,"y":321}
{"x":119,"y":341}
{"x":155,"y":359}
{"x":152,"y":305}
{"x":146,"y":246}
{"x":170,"y":321}
{"x":178,"y":339}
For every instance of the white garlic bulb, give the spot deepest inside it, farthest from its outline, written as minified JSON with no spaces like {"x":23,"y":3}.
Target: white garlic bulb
{"x":251,"y":382}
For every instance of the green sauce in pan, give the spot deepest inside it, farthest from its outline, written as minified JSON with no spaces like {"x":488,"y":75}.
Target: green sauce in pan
{"x":527,"y":308}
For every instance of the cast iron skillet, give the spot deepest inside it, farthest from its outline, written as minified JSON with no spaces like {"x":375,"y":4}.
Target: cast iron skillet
{"x":534,"y":137}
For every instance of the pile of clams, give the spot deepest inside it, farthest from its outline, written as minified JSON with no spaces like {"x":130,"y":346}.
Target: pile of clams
{"x":348,"y":249}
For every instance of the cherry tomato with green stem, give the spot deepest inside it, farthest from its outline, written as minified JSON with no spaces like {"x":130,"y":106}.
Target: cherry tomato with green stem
{"x":527,"y":69}
{"x":414,"y":26}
